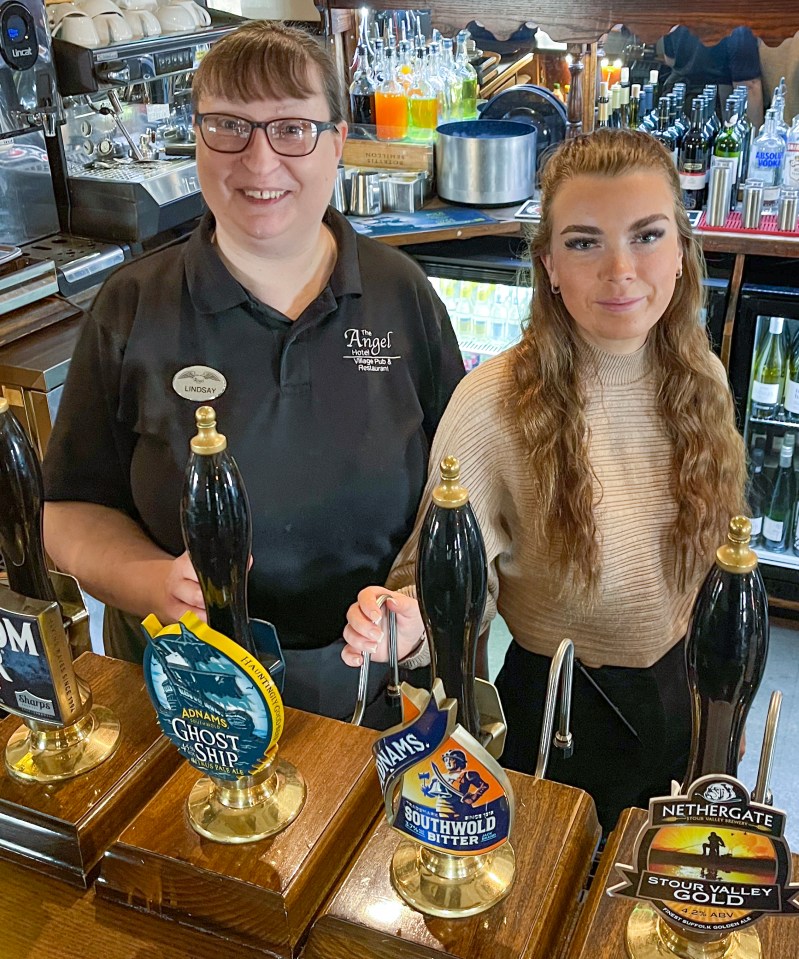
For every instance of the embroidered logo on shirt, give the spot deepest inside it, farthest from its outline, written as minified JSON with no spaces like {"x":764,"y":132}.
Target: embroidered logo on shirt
{"x":371,"y":354}
{"x":199,"y":383}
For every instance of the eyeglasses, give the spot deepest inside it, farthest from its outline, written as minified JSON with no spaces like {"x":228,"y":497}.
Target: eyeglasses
{"x":288,"y":136}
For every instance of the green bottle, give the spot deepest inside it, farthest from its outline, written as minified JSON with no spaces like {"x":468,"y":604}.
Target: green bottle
{"x":468,"y":77}
{"x":727,"y":148}
{"x":769,"y":372}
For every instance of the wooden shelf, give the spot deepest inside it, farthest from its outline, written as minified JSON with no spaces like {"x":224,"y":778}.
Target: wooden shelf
{"x":584,"y":21}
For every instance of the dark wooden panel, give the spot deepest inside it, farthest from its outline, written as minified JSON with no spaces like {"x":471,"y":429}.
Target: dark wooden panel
{"x":586,"y":20}
{"x":554,"y":838}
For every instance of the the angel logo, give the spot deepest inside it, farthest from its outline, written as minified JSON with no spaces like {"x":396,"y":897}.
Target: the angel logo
{"x":199,"y":383}
{"x":719,"y":792}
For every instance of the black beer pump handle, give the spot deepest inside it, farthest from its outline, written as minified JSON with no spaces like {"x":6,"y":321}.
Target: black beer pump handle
{"x":21,"y":503}
{"x":217,"y":530}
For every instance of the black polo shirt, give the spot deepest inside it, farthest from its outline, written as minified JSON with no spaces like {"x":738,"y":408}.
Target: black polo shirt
{"x":329,"y":417}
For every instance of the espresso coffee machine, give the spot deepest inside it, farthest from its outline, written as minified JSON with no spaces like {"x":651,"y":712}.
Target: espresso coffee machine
{"x":123,"y":161}
{"x":28,"y":111}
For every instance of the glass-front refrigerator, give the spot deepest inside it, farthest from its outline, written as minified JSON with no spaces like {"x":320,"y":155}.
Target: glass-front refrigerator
{"x":485,"y":285}
{"x":764,"y":372}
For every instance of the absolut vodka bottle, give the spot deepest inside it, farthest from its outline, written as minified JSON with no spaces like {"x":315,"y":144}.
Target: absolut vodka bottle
{"x":765,"y":161}
{"x":451,"y":585}
{"x":21,"y":498}
{"x":217,"y":530}
{"x":726,"y":654}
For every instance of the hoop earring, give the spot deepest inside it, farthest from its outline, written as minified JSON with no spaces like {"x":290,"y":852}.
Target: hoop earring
{"x":555,"y":289}
{"x":679,"y":273}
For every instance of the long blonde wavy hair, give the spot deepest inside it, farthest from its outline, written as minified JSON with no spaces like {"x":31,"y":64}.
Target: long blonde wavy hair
{"x":547,"y":398}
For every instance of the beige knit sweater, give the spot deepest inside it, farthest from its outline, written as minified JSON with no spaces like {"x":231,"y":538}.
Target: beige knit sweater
{"x":640,"y":613}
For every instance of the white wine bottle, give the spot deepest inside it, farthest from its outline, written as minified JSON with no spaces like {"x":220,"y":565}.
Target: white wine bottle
{"x":791,"y":399}
{"x":777,"y":519}
{"x":769,"y":372}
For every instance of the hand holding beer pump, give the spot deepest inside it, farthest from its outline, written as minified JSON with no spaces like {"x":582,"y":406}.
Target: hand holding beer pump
{"x":43,"y":620}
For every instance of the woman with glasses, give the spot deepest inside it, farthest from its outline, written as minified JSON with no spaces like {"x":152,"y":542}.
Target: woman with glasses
{"x":327,"y":356}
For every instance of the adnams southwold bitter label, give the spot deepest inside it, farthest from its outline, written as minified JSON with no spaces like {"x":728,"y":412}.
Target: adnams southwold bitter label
{"x":440,"y":787}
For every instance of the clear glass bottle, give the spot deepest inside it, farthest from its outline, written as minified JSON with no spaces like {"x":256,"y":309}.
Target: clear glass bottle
{"x":362,"y":89}
{"x":791,"y":398}
{"x":759,"y":490}
{"x":422,"y":104}
{"x":765,"y":161}
{"x":790,"y":164}
{"x":391,"y":104}
{"x":451,"y":79}
{"x":769,"y":372}
{"x":468,"y":78}
{"x":777,"y":519}
{"x":635,"y":106}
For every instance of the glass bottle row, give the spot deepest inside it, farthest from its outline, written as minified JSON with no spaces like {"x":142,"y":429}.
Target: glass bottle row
{"x":407,"y":90}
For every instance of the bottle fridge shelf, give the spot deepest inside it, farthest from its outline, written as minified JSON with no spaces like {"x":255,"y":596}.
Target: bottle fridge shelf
{"x":773,"y":422}
{"x":788,"y":559}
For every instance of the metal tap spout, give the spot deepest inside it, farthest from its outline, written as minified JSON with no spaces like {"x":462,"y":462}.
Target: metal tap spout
{"x":393,"y":689}
{"x":560,"y":682}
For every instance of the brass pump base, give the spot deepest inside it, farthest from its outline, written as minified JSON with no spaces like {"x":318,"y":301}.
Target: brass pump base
{"x":247,"y":809}
{"x":649,"y":936}
{"x":46,"y":754}
{"x":451,"y":887}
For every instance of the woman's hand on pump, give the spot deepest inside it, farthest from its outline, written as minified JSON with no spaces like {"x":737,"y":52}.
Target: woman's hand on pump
{"x":367,"y":626}
{"x":181,"y":592}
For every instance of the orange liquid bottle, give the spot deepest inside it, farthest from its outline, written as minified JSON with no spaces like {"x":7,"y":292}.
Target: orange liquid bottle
{"x":392,"y":115}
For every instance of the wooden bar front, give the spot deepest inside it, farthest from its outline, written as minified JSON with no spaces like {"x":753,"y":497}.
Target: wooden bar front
{"x":262,"y":894}
{"x":62,"y":829}
{"x":601,"y":931}
{"x":554,"y":838}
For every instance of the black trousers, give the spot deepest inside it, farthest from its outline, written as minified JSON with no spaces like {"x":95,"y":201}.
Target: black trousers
{"x":619,"y":767}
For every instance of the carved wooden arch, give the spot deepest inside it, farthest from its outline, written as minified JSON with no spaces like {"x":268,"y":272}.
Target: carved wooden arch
{"x":584,"y":21}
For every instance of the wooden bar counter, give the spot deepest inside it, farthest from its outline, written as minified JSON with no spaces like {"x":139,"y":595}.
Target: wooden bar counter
{"x":600,"y":933}
{"x":262,"y":894}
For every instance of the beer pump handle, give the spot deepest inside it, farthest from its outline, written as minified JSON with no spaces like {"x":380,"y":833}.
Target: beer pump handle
{"x":217,"y":530}
{"x":22,"y":497}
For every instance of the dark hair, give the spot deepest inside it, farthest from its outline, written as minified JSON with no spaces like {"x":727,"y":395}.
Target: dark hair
{"x":708,"y":463}
{"x":264,"y":59}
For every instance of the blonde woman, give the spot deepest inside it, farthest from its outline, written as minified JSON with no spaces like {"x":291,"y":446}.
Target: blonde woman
{"x":603,"y":462}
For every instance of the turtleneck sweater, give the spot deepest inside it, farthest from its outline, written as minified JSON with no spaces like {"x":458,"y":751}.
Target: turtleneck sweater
{"x":639,"y":612}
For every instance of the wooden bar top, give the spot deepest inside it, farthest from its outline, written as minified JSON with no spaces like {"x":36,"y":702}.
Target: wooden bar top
{"x":600,"y":932}
{"x":41,"y":918}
